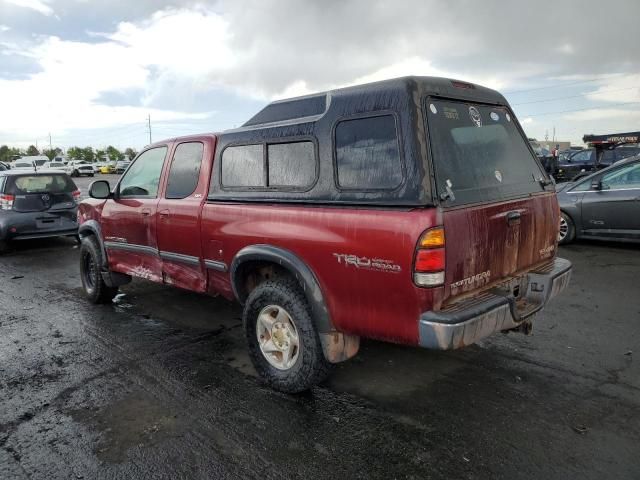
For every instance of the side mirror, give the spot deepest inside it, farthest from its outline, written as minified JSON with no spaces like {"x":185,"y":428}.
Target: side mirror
{"x":100,"y":189}
{"x":596,"y":185}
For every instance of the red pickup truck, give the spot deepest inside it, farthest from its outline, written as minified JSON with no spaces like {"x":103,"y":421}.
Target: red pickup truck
{"x":411,"y":210}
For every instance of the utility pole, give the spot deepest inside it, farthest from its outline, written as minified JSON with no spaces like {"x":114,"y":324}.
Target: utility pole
{"x":50,"y":146}
{"x":554,"y":134}
{"x":149,"y":124}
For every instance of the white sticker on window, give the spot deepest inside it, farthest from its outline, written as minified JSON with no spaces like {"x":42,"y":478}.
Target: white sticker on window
{"x":495,"y":117}
{"x":508,"y":117}
{"x":433,"y":108}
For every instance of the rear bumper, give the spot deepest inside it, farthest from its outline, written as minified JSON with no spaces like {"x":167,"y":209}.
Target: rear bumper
{"x":29,"y":225}
{"x":494,"y":311}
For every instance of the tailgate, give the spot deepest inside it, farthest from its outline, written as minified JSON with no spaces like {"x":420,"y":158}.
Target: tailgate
{"x":40,"y":202}
{"x":489,"y":244}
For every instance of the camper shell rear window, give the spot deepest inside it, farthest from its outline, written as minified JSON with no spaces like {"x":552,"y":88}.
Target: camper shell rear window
{"x":478,"y":153}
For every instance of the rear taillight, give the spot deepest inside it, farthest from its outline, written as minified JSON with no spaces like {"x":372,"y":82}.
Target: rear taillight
{"x":6,"y":202}
{"x":428,"y":267}
{"x":76,"y":196}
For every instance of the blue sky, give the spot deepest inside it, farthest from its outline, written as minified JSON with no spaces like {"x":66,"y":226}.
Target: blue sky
{"x":89,"y":72}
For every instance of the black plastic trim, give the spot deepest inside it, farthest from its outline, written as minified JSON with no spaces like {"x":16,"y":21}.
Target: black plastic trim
{"x":293,"y":264}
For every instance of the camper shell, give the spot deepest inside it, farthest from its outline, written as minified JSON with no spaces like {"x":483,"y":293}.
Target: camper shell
{"x":315,"y":117}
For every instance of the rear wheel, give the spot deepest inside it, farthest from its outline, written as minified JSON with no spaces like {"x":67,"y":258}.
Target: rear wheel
{"x":567,"y":231}
{"x":283,"y":344}
{"x":75,"y":173}
{"x":90,"y":272}
{"x":4,"y":246}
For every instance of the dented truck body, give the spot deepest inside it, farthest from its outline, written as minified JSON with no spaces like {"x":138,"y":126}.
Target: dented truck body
{"x":410,"y":210}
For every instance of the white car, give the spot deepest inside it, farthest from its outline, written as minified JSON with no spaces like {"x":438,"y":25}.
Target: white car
{"x":23,"y":165}
{"x":79,"y":168}
{"x":54,"y":166}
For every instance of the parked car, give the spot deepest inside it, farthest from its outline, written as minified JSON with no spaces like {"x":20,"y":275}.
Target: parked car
{"x":582,"y":163}
{"x":54,"y":166}
{"x":24,"y":165}
{"x":36,"y":205}
{"x":4,"y":166}
{"x":79,"y":168}
{"x":108,"y":168}
{"x":327,"y":218}
{"x":604,"y":205}
{"x":122,"y":165}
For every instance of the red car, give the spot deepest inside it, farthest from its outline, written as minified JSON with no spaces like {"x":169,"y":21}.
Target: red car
{"x":410,"y":210}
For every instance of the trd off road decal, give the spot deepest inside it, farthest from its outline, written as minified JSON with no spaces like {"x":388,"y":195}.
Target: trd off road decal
{"x":367,"y":263}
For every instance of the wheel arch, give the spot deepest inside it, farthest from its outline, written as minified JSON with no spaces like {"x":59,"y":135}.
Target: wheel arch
{"x":252,"y":256}
{"x":91,"y":227}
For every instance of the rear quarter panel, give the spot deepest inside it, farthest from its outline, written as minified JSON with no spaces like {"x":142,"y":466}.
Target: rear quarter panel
{"x":362,"y":258}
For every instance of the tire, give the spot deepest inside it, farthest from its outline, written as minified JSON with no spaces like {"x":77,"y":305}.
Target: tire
{"x":308,"y":365}
{"x":567,"y":230}
{"x":91,"y":174}
{"x":90,"y":260}
{"x":75,"y":173}
{"x":4,"y":246}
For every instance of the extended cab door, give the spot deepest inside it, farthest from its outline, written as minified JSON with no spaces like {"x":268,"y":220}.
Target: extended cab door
{"x":614,"y":210}
{"x":129,"y":219}
{"x":179,"y":215}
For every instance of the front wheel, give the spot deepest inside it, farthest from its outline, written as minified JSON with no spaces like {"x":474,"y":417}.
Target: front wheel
{"x":4,"y":246}
{"x":75,"y":173}
{"x":283,"y":344}
{"x":90,"y":272}
{"x":567,"y":231}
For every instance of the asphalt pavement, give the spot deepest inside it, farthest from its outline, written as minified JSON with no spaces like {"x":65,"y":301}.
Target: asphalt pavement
{"x":159,"y":385}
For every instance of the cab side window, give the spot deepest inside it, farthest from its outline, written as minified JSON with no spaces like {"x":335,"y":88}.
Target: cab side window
{"x":185,"y":170}
{"x":143,"y":177}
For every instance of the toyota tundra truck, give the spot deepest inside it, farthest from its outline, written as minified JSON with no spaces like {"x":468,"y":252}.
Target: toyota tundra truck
{"x":411,"y":210}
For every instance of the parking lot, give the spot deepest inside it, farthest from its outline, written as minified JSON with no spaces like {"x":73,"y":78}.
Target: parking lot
{"x":159,"y":385}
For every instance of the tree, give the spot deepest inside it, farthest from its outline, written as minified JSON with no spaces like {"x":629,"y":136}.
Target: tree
{"x":75,"y":153}
{"x":32,"y":150}
{"x":4,"y":153}
{"x":88,"y":155}
{"x":114,"y":154}
{"x":52,"y":153}
{"x":131,"y":153}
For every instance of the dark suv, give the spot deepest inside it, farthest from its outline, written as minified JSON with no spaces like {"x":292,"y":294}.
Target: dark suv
{"x":411,"y":210}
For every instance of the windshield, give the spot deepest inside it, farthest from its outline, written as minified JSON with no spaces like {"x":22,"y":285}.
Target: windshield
{"x":479,"y":155}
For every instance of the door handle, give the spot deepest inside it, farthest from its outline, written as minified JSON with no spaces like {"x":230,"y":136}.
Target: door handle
{"x":145,"y":212}
{"x":164,"y":214}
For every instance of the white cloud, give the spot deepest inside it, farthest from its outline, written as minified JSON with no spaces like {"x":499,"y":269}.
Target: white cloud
{"x":527,"y":121}
{"x":4,"y":28}
{"x":566,"y":48}
{"x":618,"y":89}
{"x":64,"y":94}
{"x":37,"y":5}
{"x":598,"y":114}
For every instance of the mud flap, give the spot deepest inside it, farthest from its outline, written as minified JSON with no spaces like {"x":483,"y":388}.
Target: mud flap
{"x":338,"y":347}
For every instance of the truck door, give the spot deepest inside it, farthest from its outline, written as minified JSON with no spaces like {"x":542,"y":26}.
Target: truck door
{"x":179,"y":216}
{"x":129,"y":220}
{"x":615,"y":209}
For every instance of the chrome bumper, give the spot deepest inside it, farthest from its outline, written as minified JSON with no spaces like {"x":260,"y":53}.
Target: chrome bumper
{"x":494,"y":311}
